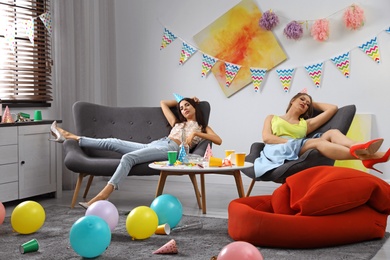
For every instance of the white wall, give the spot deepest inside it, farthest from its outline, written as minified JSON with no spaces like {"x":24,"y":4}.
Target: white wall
{"x":145,"y":75}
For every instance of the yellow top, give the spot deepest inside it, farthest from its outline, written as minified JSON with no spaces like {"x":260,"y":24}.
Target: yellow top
{"x":281,"y":127}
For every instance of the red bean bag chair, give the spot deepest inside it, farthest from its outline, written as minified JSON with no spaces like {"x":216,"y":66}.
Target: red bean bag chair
{"x":318,"y":207}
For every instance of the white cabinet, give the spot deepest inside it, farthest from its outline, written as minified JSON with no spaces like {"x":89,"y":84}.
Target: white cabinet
{"x":28,"y":164}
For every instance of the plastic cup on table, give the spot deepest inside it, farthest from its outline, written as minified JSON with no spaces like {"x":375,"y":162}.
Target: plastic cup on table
{"x":215,"y":162}
{"x":37,"y":115}
{"x":240,"y":159}
{"x":172,"y":156}
{"x":228,"y":152}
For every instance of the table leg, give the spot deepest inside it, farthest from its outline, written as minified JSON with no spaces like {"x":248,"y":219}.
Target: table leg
{"x":195,"y":184}
{"x":161,"y":183}
{"x":203,"y":190}
{"x":240,"y":186}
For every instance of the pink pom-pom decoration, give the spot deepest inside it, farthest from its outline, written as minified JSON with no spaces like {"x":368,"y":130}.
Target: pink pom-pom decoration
{"x":320,"y":30}
{"x":293,"y":30}
{"x":268,"y":20}
{"x":354,"y":17}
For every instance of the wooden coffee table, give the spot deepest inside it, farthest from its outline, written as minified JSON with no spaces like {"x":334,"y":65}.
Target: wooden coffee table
{"x":192,"y":171}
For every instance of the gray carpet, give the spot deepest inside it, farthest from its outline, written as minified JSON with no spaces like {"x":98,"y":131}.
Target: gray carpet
{"x":203,"y":243}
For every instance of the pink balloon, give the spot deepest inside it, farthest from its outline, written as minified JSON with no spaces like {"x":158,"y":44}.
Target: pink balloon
{"x":2,"y":213}
{"x":106,"y":210}
{"x":240,"y":250}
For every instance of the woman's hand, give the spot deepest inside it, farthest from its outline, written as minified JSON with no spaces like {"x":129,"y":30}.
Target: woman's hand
{"x":196,"y":99}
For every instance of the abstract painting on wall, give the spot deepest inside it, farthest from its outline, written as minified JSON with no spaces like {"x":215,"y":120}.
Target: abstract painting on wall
{"x":237,"y":38}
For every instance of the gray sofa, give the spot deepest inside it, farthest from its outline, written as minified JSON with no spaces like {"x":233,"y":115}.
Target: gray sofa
{"x":139,"y":124}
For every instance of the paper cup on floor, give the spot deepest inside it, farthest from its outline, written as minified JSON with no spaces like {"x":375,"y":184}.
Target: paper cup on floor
{"x":215,"y":162}
{"x":30,"y":246}
{"x":240,"y":159}
{"x":164,"y":229}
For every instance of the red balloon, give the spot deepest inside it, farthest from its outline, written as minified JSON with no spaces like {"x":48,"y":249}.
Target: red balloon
{"x":2,"y":213}
{"x":240,"y":250}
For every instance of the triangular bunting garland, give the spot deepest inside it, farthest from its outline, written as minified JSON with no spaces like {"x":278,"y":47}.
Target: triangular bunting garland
{"x":207,"y":63}
{"x":315,"y":72}
{"x":387,"y":30}
{"x":208,"y":152}
{"x":371,"y":48}
{"x":46,"y":19}
{"x":29,"y":25}
{"x":342,"y":63}
{"x":10,"y":38}
{"x":167,"y":38}
{"x":186,"y":52}
{"x":286,"y":77}
{"x":231,"y":71}
{"x":257,"y":77}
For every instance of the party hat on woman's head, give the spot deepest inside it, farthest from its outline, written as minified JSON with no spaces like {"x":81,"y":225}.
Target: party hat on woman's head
{"x":178,"y":97}
{"x":303,"y":91}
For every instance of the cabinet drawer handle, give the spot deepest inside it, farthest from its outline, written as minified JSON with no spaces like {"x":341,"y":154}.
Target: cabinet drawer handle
{"x":22,"y":162}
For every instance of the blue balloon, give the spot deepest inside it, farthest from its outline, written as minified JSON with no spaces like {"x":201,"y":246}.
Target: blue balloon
{"x":168,"y":209}
{"x":90,"y":236}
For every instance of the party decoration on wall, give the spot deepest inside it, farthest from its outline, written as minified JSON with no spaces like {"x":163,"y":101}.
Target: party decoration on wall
{"x":354,"y":17}
{"x":286,"y":77}
{"x":371,"y":48}
{"x":226,"y":40}
{"x":257,"y":77}
{"x":342,"y":63}
{"x":320,"y":30}
{"x":207,"y":63}
{"x":269,"y":20}
{"x":30,"y":30}
{"x":186,"y":52}
{"x":315,"y":73}
{"x":46,"y":19}
{"x":293,"y":30}
{"x":167,"y":38}
{"x":236,"y":63}
{"x":231,"y":72}
{"x":178,"y":97}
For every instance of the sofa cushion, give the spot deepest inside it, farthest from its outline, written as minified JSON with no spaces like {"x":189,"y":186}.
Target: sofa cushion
{"x":325,"y":190}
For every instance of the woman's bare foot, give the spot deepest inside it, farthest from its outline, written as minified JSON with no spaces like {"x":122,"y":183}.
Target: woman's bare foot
{"x":103,"y":194}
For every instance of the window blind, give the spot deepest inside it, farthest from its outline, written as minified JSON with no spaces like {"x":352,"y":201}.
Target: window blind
{"x":25,"y":67}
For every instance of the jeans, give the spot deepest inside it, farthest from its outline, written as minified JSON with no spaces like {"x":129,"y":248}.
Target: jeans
{"x":133,"y":153}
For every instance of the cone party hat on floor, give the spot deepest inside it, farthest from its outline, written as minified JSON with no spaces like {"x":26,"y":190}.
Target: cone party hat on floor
{"x":168,"y":248}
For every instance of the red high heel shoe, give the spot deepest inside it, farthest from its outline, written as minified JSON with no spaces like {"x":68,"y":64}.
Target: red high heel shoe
{"x":370,"y":147}
{"x":369,"y":163}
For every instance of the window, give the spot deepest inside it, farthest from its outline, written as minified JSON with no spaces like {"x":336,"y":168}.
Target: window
{"x":25,"y":66}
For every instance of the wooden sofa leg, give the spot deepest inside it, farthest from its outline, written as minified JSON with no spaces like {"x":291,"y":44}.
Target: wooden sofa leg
{"x":77,"y":189}
{"x":250,"y":188}
{"x":90,"y":179}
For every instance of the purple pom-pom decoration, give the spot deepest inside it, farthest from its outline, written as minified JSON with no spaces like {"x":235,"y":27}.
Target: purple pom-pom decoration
{"x":268,"y":20}
{"x":293,"y":30}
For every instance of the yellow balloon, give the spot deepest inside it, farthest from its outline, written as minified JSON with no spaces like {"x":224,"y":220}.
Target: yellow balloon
{"x":141,"y":222}
{"x":27,"y":217}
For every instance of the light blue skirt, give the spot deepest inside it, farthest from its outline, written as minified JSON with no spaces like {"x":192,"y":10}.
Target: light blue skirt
{"x":274,"y":155}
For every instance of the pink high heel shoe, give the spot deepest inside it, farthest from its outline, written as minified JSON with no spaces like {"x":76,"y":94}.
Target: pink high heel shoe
{"x":369,"y":147}
{"x":369,"y":163}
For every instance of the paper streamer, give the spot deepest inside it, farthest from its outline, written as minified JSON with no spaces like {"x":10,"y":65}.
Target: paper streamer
{"x":46,"y":19}
{"x":342,"y":63}
{"x":231,"y":71}
{"x":186,"y":52}
{"x":371,"y":48}
{"x":315,"y":73}
{"x":257,"y":77}
{"x":167,"y":38}
{"x":286,"y":77}
{"x":207,"y":63}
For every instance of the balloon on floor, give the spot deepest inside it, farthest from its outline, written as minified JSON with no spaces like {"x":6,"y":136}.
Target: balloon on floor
{"x":28,"y":217}
{"x":168,"y":209}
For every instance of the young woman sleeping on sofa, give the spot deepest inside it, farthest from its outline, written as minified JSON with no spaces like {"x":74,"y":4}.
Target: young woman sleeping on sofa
{"x":190,"y":119}
{"x":285,"y":137}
